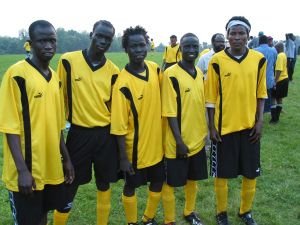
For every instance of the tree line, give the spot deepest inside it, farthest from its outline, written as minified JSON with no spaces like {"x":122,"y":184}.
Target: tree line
{"x":67,"y":40}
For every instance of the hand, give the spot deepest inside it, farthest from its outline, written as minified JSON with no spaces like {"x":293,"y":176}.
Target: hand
{"x":256,"y":132}
{"x":68,"y":171}
{"x":126,"y":167}
{"x":181,"y":150}
{"x":214,"y":135}
{"x":26,"y":182}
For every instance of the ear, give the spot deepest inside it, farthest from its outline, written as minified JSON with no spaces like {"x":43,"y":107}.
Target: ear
{"x":91,"y":35}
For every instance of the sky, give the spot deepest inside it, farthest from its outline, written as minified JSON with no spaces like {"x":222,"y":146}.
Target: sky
{"x":161,"y":18}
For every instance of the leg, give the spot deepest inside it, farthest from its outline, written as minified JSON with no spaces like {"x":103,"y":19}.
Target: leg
{"x":190,"y":189}
{"x":168,"y":199}
{"x":130,"y":204}
{"x":247,"y":194}
{"x":44,"y":219}
{"x":154,"y":195}
{"x":61,"y":215}
{"x":103,"y":203}
{"x":221,"y":190}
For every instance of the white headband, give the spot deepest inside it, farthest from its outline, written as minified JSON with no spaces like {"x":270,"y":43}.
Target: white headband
{"x":238,"y":22}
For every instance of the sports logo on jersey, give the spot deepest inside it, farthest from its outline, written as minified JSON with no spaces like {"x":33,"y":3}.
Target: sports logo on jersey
{"x":227,"y":75}
{"x":187,"y":90}
{"x":39,"y":95}
{"x":78,"y":79}
{"x":141,"y":96}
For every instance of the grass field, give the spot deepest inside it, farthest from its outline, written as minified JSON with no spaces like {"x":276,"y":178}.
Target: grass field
{"x":277,"y":201}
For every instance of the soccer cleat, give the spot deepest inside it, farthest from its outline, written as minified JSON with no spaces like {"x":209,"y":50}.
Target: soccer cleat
{"x":247,"y":218}
{"x":193,"y":219}
{"x":171,"y":223}
{"x":150,"y":222}
{"x":133,"y":224}
{"x":222,"y":218}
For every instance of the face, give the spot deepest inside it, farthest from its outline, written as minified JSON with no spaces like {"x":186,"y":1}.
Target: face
{"x":237,"y":37}
{"x":219,"y":43}
{"x":101,"y":38}
{"x":136,"y":48}
{"x":173,"y":41}
{"x":43,"y":43}
{"x":189,"y":48}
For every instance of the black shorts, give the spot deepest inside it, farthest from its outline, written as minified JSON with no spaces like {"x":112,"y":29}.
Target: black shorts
{"x":30,"y":209}
{"x":235,"y":155}
{"x":281,"y":90}
{"x":93,"y":146}
{"x":180,"y":170}
{"x":152,"y":174}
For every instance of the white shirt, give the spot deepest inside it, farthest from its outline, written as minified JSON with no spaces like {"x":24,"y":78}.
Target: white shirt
{"x":204,"y":60}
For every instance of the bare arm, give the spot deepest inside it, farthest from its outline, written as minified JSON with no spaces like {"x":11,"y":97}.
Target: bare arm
{"x":181,"y":149}
{"x":26,"y":182}
{"x":67,"y":164}
{"x":256,"y":131}
{"x":125,"y":165}
{"x":214,"y":134}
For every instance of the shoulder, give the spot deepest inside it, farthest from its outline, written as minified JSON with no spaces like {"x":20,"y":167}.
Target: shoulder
{"x":112,"y":67}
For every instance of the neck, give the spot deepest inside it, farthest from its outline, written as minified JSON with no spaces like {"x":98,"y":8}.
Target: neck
{"x":237,"y":52}
{"x":95,"y":57}
{"x":42,"y":65}
{"x":189,"y":66}
{"x":138,"y":68}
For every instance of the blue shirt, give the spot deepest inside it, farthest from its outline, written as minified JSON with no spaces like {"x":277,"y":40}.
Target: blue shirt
{"x":271,"y":56}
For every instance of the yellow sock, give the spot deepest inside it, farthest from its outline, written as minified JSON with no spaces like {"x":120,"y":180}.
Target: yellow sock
{"x":247,"y":194}
{"x":152,"y":203}
{"x":221,"y":190}
{"x":190,"y":196}
{"x":130,"y":208}
{"x":168,"y":199}
{"x":103,"y":207}
{"x":60,"y":218}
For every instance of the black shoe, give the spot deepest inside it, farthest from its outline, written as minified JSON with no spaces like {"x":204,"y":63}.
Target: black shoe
{"x":247,"y":218}
{"x":171,"y":223}
{"x":150,"y":222}
{"x":133,"y":224}
{"x":222,"y":218}
{"x":193,"y":219}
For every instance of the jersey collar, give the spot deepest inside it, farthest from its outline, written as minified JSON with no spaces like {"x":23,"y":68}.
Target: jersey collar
{"x":145,"y":78}
{"x":47,"y":78}
{"x":93,"y":68}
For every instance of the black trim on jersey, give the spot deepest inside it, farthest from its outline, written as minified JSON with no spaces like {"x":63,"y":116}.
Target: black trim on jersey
{"x":145,"y":78}
{"x":182,"y":67}
{"x":47,"y":78}
{"x":93,"y":68}
{"x":112,"y":82}
{"x":128,"y":95}
{"x":26,"y":120}
{"x":217,"y":70}
{"x":260,"y":65}
{"x":67,"y":67}
{"x":178,"y":100}
{"x":234,"y":58}
{"x":158,"y":70}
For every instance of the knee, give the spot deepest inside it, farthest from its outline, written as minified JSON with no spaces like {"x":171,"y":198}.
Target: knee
{"x":156,"y":187}
{"x":103,"y":186}
{"x":128,"y":191}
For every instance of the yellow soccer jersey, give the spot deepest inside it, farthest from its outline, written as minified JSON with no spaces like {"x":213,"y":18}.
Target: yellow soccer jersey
{"x":183,"y":97}
{"x":32,"y":107}
{"x":136,"y":113}
{"x":27,"y":46}
{"x":172,"y":54}
{"x":281,"y":65}
{"x":87,"y":89}
{"x":233,"y":86}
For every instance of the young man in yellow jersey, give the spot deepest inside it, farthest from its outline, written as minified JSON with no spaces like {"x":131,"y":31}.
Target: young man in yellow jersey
{"x":171,"y":54}
{"x":136,"y":120}
{"x":282,"y":83}
{"x":87,"y":79}
{"x":183,"y":106}
{"x":32,"y":119}
{"x":235,"y":92}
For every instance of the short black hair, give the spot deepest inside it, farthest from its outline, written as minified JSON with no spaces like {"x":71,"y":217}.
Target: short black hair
{"x":105,"y":23}
{"x":173,"y":36}
{"x":263,"y":39}
{"x":132,"y":31}
{"x":240,"y":18}
{"x":38,"y":23}
{"x":215,"y":35}
{"x":188,"y":35}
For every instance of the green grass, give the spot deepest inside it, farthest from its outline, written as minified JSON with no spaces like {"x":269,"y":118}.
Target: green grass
{"x":277,"y":200}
